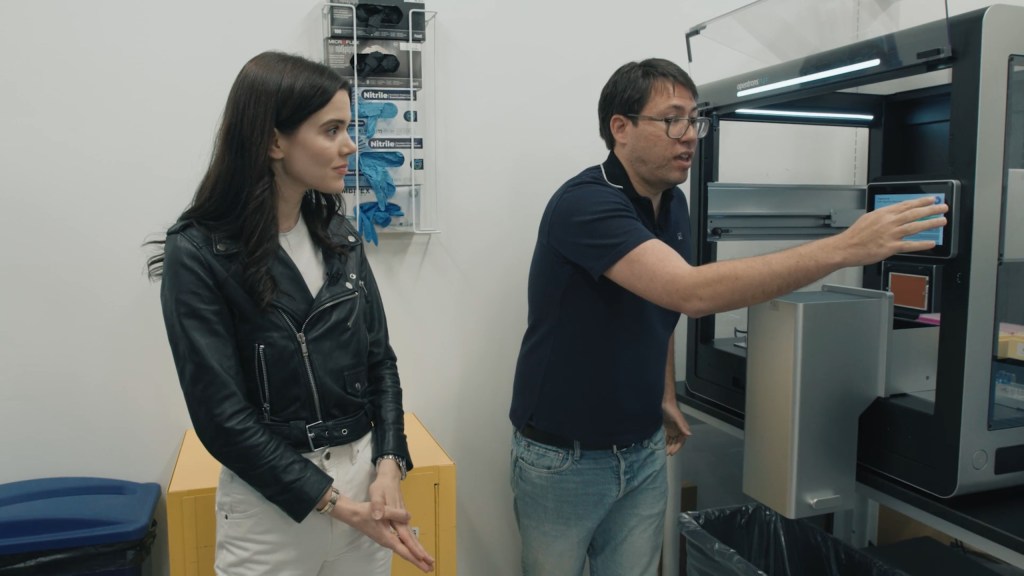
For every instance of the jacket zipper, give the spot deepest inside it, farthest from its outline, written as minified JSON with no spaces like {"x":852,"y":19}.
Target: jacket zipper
{"x":300,"y":335}
{"x":261,"y":371}
{"x":356,"y":313}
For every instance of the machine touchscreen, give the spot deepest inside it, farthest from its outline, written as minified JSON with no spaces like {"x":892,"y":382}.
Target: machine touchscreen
{"x":882,"y":194}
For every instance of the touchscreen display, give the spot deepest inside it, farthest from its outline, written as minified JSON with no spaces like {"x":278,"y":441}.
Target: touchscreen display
{"x":883,"y":200}
{"x":884,"y":194}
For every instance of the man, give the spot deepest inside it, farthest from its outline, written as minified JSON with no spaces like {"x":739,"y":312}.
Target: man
{"x":594,"y":405}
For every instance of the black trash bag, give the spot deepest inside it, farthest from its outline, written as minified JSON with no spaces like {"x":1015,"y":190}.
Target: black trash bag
{"x":80,"y":561}
{"x":753,"y":540}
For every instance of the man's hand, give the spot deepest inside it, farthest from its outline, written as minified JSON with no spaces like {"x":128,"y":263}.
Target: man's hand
{"x":676,"y":428}
{"x":880,"y":233}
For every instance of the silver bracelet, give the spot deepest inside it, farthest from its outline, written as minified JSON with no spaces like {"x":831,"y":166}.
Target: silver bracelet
{"x":398,"y":460}
{"x":330,"y":503}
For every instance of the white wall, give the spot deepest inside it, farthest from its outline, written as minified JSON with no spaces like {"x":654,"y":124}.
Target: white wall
{"x":108,"y":111}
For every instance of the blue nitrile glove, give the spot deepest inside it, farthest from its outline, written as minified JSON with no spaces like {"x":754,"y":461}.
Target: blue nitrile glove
{"x":366,"y":223}
{"x":373,"y":167}
{"x":369,"y":113}
{"x":371,"y":214}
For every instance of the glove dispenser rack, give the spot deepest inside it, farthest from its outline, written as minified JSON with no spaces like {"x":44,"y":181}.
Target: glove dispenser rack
{"x":391,"y":187}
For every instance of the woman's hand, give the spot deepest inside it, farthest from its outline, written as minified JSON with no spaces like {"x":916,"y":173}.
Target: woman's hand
{"x":386,"y":494}
{"x":386,"y":525}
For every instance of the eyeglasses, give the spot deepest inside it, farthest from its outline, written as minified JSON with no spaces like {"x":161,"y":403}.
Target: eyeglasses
{"x":676,"y":126}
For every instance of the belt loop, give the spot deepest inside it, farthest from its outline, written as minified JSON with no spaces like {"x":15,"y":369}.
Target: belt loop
{"x":576,"y":449}
{"x":296,"y":429}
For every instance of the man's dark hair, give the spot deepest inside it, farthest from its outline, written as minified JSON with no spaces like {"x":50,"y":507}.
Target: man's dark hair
{"x":630,"y":87}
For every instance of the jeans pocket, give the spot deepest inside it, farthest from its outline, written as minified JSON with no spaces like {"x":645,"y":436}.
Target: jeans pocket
{"x":656,"y":442}
{"x":235,"y":499}
{"x":541,"y":458}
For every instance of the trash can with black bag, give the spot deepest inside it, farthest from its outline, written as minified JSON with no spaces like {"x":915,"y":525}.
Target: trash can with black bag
{"x":74,"y":526}
{"x":754,"y":540}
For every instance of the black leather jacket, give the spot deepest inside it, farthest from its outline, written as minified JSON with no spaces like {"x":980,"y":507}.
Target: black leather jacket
{"x":244,"y":370}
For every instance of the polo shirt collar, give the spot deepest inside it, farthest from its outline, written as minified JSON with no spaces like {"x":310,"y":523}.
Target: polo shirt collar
{"x":616,"y":175}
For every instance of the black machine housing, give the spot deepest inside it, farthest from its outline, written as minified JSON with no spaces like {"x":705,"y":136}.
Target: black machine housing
{"x":948,"y":441}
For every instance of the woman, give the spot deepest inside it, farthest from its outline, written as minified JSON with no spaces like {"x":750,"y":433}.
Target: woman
{"x":280,"y":340}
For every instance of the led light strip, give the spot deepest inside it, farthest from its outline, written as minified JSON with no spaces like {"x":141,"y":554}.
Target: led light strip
{"x":799,"y":114}
{"x":808,"y":78}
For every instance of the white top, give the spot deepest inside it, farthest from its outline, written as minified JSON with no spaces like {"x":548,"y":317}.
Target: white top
{"x":299,"y":246}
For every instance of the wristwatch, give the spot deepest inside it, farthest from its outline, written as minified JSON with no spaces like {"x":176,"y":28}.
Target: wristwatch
{"x":398,"y":460}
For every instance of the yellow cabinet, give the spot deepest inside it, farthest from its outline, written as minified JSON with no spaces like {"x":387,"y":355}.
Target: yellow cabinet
{"x":428,"y":491}
{"x":429,"y":495}
{"x":191,"y":523}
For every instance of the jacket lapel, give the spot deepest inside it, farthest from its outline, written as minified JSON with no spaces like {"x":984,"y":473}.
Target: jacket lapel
{"x":340,"y":270}
{"x":292,"y":293}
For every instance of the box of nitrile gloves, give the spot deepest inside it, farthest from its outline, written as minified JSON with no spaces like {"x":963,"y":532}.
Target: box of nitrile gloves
{"x":376,"y":63}
{"x":385,"y":112}
{"x":388,"y":160}
{"x":379,"y":19}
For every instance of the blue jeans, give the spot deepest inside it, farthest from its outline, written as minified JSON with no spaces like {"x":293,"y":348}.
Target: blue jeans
{"x":605,"y":505}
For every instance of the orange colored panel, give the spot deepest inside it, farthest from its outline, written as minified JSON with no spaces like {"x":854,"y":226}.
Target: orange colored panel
{"x":909,"y":290}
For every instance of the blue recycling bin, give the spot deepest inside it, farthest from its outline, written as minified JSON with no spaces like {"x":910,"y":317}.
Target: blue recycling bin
{"x":76,"y":526}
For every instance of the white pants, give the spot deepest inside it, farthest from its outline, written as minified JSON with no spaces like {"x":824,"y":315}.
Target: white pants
{"x":255,"y":538}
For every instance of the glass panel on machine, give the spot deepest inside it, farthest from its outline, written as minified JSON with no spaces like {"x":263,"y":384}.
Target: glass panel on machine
{"x":1007,"y":398}
{"x":785,"y":180}
{"x":769,"y":32}
{"x":827,"y":163}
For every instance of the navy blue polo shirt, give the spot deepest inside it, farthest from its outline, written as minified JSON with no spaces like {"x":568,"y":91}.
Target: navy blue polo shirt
{"x":592,"y":362}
